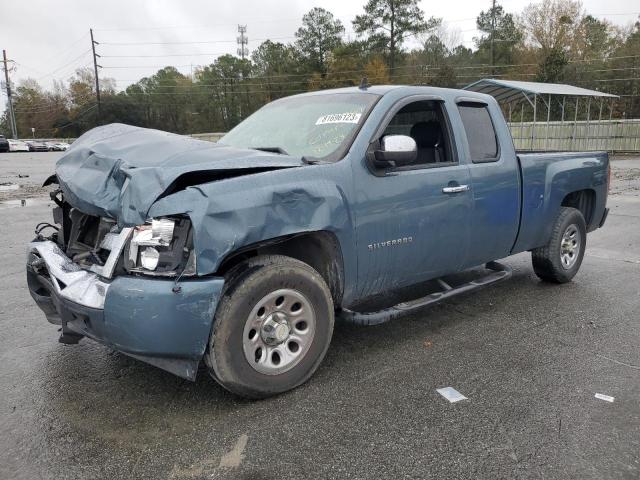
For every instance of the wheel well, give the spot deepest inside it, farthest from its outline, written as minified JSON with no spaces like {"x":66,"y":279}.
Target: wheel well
{"x":321,"y":250}
{"x":583,"y":200}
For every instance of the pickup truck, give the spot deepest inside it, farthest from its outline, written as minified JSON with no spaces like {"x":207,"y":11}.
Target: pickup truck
{"x":358,"y":203}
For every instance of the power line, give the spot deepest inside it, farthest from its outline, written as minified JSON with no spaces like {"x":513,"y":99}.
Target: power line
{"x":405,"y":67}
{"x":199,"y":42}
{"x":168,"y":55}
{"x":73,"y":122}
{"x":69,"y":47}
{"x":65,"y":65}
{"x":193,"y":27}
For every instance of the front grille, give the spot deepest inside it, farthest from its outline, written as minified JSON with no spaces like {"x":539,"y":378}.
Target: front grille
{"x":93,"y":243}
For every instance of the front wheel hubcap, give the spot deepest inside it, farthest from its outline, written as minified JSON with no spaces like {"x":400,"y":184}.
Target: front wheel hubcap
{"x":279,"y":331}
{"x":570,"y":247}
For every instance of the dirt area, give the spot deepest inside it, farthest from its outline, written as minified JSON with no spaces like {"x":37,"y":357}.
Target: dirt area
{"x":625,"y":181}
{"x":27,"y":171}
{"x":25,"y":191}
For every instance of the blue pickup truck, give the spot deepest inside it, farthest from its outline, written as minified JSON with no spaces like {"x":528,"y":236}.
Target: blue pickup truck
{"x":359,"y":203}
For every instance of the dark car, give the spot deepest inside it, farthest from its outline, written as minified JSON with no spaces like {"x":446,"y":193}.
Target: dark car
{"x":38,"y":147}
{"x":4,"y":144}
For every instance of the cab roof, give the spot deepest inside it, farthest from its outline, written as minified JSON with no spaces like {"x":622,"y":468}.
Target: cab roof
{"x":401,"y":91}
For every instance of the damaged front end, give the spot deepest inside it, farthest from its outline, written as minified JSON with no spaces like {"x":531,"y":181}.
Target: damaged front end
{"x":131,"y":288}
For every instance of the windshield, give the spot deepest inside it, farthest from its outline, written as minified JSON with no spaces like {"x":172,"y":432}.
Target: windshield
{"x":309,"y":126}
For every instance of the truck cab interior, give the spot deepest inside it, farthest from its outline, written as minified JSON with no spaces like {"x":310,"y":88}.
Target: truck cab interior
{"x":426,"y":123}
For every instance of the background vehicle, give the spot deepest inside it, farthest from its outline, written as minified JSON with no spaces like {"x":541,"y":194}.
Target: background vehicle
{"x":4,"y":144}
{"x":365,"y":203}
{"x":18,"y":146}
{"x":37,"y":146}
{"x":57,"y":146}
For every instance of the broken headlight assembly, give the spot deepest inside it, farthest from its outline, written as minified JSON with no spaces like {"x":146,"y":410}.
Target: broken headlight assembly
{"x":161,"y":247}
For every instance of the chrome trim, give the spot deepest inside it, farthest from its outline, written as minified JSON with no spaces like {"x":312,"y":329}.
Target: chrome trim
{"x":456,"y":189}
{"x":69,"y":279}
{"x":114,"y":242}
{"x":398,"y":143}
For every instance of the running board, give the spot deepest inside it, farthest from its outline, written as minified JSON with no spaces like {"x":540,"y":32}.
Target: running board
{"x":498,"y":273}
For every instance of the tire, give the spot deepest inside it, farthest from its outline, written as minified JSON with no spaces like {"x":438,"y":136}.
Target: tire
{"x":560,"y":259}
{"x":272,"y":327}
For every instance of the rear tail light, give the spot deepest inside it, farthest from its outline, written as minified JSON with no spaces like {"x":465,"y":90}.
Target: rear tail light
{"x":609,"y":177}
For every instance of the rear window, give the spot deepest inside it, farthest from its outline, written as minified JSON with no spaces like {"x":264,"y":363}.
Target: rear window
{"x":481,"y":135}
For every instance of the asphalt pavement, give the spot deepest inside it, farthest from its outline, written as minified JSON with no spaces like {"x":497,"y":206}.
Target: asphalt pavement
{"x":530,"y":358}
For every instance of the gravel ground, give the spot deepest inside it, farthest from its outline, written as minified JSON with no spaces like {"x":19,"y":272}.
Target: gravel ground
{"x":528,"y":356}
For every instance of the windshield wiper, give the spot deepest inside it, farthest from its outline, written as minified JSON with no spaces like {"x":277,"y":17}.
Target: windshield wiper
{"x":279,"y":150}
{"x":282,"y":151}
{"x":313,"y":161}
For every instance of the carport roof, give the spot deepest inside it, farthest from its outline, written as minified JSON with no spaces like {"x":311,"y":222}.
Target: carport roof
{"x":508,"y":90}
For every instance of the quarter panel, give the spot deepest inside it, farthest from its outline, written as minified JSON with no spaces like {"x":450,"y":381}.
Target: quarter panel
{"x":547,"y":179}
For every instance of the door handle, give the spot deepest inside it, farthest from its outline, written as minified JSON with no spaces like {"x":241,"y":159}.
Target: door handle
{"x":456,"y":189}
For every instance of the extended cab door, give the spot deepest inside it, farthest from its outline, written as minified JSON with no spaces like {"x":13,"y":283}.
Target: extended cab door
{"x":413,"y":223}
{"x":495,"y":179}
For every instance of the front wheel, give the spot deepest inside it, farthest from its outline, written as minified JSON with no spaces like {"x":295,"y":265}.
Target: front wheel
{"x":272,"y":328}
{"x":560,"y":259}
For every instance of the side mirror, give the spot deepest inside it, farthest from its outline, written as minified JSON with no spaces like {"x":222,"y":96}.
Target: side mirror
{"x":395,"y":151}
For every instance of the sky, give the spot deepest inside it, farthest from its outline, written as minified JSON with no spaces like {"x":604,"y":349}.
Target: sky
{"x":50,"y":40}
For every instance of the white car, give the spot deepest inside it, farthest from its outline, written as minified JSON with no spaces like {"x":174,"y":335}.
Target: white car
{"x":17,"y":146}
{"x":57,"y":146}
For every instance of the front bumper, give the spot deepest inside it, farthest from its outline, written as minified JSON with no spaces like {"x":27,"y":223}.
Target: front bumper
{"x":139,"y":316}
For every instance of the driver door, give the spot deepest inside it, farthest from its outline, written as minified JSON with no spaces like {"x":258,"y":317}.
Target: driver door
{"x":413,"y":222}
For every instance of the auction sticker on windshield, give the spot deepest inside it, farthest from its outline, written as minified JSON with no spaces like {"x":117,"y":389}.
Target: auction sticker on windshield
{"x":351,"y":117}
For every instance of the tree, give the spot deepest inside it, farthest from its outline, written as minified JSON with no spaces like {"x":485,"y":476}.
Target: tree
{"x":500,"y":34}
{"x":276,"y":63}
{"x":593,"y":39}
{"x":552,"y":24}
{"x":377,"y":72}
{"x":5,"y":128}
{"x":626,"y":58}
{"x":344,"y":67}
{"x":39,"y":109}
{"x":432,"y":65}
{"x":389,"y":22}
{"x":224,"y":93}
{"x":320,"y":33}
{"x":551,"y":69}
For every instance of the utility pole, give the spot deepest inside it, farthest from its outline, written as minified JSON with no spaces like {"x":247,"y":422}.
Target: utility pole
{"x":12,"y":116}
{"x":242,"y":40}
{"x":95,"y":68}
{"x":493,"y":33}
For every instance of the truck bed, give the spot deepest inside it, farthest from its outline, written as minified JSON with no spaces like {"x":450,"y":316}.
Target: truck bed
{"x":548,"y":179}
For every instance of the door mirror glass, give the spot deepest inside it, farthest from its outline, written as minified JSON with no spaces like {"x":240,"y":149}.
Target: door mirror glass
{"x":396,"y":151}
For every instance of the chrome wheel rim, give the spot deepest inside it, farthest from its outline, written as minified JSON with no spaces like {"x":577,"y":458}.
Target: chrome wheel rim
{"x":279,"y":331}
{"x":570,"y":247}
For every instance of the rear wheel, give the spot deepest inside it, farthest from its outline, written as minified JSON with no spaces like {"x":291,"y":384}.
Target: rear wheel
{"x":560,"y":259}
{"x":272,"y":327}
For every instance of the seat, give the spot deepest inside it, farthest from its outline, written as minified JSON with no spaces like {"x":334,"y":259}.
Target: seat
{"x":428,"y":137}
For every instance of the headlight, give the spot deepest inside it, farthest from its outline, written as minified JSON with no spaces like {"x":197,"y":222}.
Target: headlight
{"x":149,"y":258}
{"x":163,"y":246}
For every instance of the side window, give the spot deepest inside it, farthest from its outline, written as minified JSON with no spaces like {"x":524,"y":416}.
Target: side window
{"x":481,"y":134}
{"x":425,"y":122}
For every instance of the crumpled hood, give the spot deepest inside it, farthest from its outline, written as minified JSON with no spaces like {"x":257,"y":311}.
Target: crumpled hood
{"x":119,"y":171}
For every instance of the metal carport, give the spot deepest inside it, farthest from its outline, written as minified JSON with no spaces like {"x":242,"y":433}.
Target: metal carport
{"x":510,"y":93}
